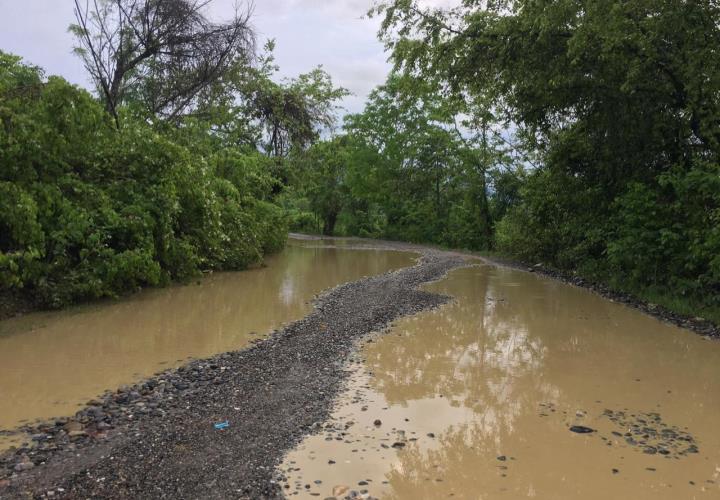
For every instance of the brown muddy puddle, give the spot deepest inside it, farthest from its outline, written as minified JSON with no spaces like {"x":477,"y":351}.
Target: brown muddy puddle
{"x":476,"y":400}
{"x":50,"y":363}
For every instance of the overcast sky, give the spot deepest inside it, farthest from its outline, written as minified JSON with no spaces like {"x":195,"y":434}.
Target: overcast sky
{"x":334,"y":33}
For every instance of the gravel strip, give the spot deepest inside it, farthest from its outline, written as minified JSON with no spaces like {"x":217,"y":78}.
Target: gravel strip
{"x":157,"y":439}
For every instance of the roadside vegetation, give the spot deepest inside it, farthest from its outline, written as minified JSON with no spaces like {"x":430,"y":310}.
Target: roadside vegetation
{"x":172,"y":168}
{"x":583,"y":135}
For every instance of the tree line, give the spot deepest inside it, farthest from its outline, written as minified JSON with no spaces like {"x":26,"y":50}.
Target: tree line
{"x":582,"y":134}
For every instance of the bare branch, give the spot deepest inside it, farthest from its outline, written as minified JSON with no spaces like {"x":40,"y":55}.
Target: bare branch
{"x":162,"y":53}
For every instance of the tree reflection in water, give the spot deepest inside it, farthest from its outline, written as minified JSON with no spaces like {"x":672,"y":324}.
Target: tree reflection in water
{"x":483,"y":390}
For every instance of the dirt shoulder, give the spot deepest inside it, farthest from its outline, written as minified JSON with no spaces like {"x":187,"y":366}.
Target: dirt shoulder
{"x":157,"y":439}
{"x":700,"y":326}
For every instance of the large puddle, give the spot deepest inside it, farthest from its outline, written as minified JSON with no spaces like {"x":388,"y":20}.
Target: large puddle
{"x":477,"y":399}
{"x":50,"y":363}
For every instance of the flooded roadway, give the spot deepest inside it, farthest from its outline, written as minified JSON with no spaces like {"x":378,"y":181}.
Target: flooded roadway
{"x":52,"y":363}
{"x":474,"y":400}
{"x":477,"y":399}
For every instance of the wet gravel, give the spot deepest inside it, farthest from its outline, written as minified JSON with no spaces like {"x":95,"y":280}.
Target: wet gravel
{"x":157,"y":439}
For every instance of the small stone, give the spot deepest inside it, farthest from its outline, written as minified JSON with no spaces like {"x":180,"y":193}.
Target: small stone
{"x":502,"y":458}
{"x":73,"y":425}
{"x":581,"y":429}
{"x":340,"y":490}
{"x":23,"y":466}
{"x":378,"y":422}
{"x":615,"y":471}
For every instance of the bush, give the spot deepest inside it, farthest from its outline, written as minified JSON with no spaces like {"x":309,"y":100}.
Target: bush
{"x":668,"y":235}
{"x":88,"y":210}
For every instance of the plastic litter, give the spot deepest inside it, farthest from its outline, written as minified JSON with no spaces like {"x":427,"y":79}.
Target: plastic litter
{"x":222,"y":425}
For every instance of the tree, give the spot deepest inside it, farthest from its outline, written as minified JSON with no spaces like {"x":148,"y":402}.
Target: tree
{"x":250,"y":105}
{"x":435,"y":153}
{"x":620,"y":104}
{"x":323,"y":169}
{"x":162,"y":53}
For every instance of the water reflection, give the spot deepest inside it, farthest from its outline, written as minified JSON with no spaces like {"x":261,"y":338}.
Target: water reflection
{"x":481,"y":394}
{"x":51,"y":362}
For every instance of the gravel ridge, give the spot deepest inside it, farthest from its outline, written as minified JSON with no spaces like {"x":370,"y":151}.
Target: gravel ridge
{"x":156,"y":439}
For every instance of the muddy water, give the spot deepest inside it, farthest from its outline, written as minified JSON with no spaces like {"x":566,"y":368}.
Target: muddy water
{"x":52,"y":362}
{"x":476,"y":400}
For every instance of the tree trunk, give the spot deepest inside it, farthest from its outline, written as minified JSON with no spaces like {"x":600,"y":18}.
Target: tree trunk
{"x":329,"y":225}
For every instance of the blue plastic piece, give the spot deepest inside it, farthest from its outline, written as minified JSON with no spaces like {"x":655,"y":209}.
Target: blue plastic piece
{"x":222,"y":425}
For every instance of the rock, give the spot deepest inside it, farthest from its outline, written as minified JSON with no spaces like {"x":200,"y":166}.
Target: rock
{"x":23,"y":466}
{"x":340,"y":490}
{"x":502,"y":458}
{"x":398,"y":444}
{"x":72,"y":426}
{"x":73,"y":434}
{"x":581,"y":429}
{"x":378,"y":422}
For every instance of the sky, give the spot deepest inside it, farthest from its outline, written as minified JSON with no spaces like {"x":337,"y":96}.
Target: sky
{"x":333,"y":33}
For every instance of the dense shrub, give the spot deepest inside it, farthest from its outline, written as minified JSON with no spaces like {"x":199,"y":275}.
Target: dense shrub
{"x":88,"y":210}
{"x":658,"y":237}
{"x":668,"y":235}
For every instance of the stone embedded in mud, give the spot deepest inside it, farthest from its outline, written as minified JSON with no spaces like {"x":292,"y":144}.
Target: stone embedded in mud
{"x":73,"y":426}
{"x":581,"y":429}
{"x":340,"y":490}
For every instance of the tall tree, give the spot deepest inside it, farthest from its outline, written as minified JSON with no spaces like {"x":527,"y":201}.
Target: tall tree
{"x":162,"y":53}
